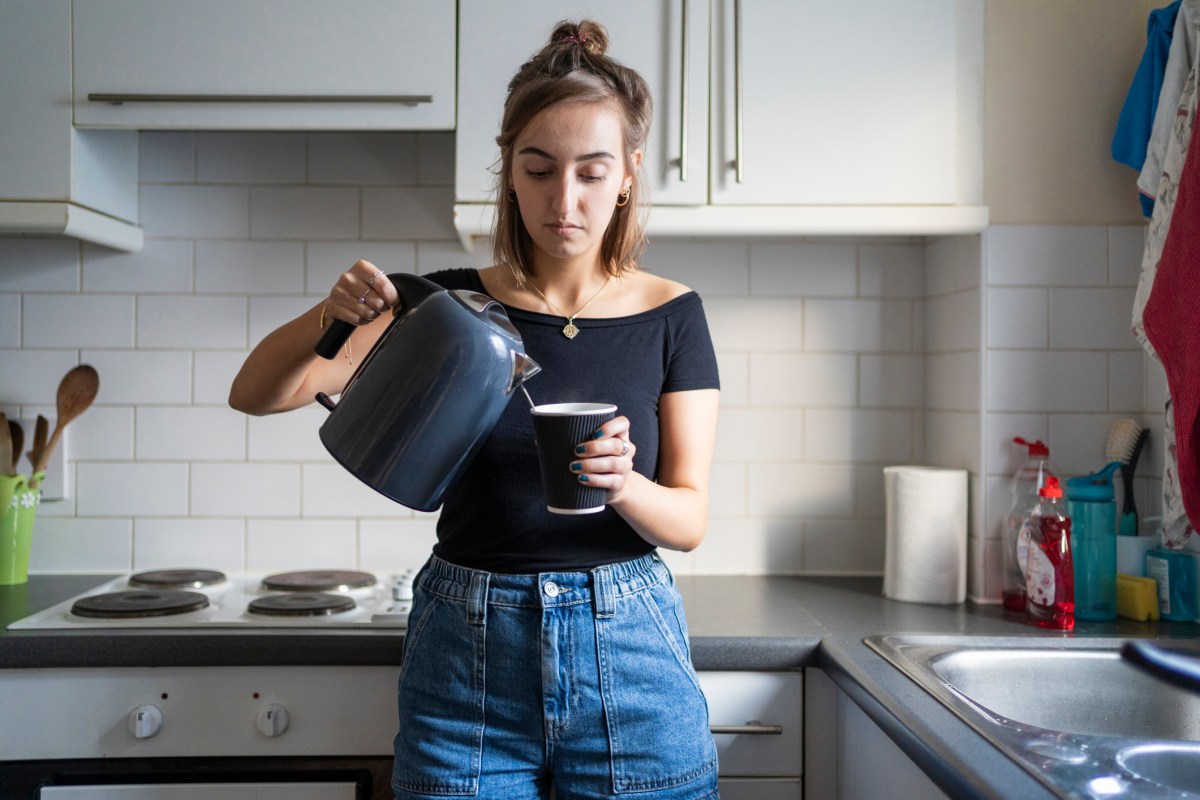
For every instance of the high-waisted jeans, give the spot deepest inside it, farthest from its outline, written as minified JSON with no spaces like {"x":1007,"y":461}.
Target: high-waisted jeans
{"x":580,"y":681}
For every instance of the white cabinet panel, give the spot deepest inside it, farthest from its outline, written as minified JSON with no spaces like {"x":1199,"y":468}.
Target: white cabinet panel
{"x":343,"y":56}
{"x":767,"y":708}
{"x":496,"y":38}
{"x":744,"y":789}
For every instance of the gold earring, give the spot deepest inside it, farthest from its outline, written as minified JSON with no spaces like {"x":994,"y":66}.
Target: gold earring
{"x":625,"y":196}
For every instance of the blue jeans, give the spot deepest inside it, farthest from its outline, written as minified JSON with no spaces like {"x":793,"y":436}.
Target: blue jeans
{"x":580,"y":681}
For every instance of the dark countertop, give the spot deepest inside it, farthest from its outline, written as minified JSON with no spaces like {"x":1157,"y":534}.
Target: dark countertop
{"x":736,"y":623}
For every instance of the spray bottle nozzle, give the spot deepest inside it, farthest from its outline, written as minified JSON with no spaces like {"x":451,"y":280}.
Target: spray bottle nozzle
{"x":1038,"y":448}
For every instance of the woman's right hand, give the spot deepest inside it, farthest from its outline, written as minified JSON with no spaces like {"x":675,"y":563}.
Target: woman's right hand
{"x":361,"y":294}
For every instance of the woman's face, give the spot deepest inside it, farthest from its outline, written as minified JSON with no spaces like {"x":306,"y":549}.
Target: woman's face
{"x":568,"y":171}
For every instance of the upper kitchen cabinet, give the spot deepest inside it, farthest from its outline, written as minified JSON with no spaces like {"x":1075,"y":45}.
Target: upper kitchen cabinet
{"x":268,"y":64}
{"x":772,"y":117}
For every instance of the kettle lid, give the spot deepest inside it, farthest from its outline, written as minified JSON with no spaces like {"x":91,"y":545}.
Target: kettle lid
{"x":489,"y":311}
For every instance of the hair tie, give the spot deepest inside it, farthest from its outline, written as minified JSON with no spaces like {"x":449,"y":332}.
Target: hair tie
{"x":580,"y":40}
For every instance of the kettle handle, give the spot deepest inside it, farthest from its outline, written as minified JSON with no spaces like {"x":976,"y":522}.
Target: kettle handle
{"x":413,"y":289}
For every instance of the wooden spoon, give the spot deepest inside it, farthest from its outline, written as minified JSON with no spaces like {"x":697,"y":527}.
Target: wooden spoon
{"x":18,"y":441}
{"x":41,"y":431}
{"x":5,"y":444}
{"x":75,"y":393}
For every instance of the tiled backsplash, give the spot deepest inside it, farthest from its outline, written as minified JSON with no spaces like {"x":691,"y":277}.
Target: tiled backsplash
{"x":837,"y":357}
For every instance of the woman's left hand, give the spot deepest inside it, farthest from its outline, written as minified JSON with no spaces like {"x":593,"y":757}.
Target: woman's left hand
{"x":606,"y":460}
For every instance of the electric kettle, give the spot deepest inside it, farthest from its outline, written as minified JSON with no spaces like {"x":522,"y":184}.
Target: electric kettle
{"x":428,"y":393}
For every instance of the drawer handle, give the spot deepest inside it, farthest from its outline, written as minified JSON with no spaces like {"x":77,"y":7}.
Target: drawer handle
{"x":683,"y":96}
{"x":118,"y":99}
{"x":751,"y":727}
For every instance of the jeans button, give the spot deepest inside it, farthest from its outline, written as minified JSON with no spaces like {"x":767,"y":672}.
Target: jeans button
{"x":551,"y":589}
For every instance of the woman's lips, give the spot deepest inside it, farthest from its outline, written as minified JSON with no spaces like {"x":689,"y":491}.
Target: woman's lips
{"x":562,"y":228}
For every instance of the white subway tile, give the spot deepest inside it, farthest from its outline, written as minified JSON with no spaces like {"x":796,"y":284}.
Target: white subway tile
{"x":952,"y":382}
{"x":764,"y":434}
{"x":953,"y":263}
{"x":1125,"y":246}
{"x":858,"y":325}
{"x":891,"y":271}
{"x":999,"y":498}
{"x":329,"y":490}
{"x":250,"y":157}
{"x":952,"y":439}
{"x":976,"y":571}
{"x":195,"y":211}
{"x":326,"y":261}
{"x":712,"y":269}
{"x":32,"y":376}
{"x":39,"y":264}
{"x":1018,"y":319}
{"x":868,"y":491}
{"x":800,"y":269}
{"x":751,"y":546}
{"x":844,"y":547}
{"x":755,"y":325}
{"x":952,"y":322}
{"x":224,"y":267}
{"x":727,"y":490}
{"x":191,"y":321}
{"x":1047,"y":255}
{"x":803,"y":379}
{"x":842,"y":435}
{"x":734,"y":369}
{"x":1077,"y":442}
{"x":304,"y":212}
{"x":896,"y":381}
{"x":139,"y":490}
{"x":362,"y":158}
{"x":801,"y":490}
{"x":81,"y":545}
{"x":411,"y":212}
{"x":993,"y":562}
{"x":1091,"y":319}
{"x":300,"y":544}
{"x":435,"y":158}
{"x":10,"y":320}
{"x":268,"y":313}
{"x":190,"y":544}
{"x":103,"y":433}
{"x":142,"y":377}
{"x":1126,"y":382}
{"x":94,"y":320}
{"x":433,"y":256}
{"x":1002,"y":456}
{"x":288,"y":437}
{"x":162,"y":265}
{"x":191,"y":433}
{"x":213,"y":375}
{"x":1050,"y":382}
{"x":395,"y":544}
{"x":245,"y":490}
{"x":167,"y":156}
{"x":1156,"y":384}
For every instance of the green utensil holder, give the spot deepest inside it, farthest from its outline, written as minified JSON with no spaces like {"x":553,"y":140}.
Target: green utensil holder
{"x":18,"y":507}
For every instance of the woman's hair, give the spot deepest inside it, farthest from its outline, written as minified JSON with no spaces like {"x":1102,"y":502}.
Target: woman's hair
{"x":572,"y":68}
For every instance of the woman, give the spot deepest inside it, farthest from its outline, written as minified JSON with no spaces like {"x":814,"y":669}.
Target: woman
{"x":544,"y":650}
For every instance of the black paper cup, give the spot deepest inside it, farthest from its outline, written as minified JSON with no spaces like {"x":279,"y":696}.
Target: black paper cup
{"x":558,"y":429}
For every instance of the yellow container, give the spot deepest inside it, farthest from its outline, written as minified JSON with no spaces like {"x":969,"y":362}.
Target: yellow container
{"x":18,"y":507}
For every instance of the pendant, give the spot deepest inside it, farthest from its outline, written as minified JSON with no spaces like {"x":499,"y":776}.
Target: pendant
{"x":569,"y":330}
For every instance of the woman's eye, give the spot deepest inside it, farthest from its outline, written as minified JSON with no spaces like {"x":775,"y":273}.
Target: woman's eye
{"x":535,"y":174}
{"x":591,"y":178}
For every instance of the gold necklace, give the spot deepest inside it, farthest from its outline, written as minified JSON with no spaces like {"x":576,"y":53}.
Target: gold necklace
{"x":569,"y":330}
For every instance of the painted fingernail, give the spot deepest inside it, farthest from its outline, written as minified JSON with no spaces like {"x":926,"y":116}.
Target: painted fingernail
{"x":576,"y":466}
{"x":597,"y":434}
{"x":580,"y":449}
{"x":583,"y":478}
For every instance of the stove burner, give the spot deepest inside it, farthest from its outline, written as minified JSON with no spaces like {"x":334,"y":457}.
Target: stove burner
{"x":176,"y":579}
{"x":138,"y":603}
{"x":318,"y":581}
{"x":315,"y":604}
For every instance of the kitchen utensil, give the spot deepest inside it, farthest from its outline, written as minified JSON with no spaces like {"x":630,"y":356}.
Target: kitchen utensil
{"x":76,"y":392}
{"x":429,"y":392}
{"x":1181,"y":670}
{"x":6,"y":445}
{"x":41,"y":431}
{"x":17,"y":434}
{"x":1126,"y":438}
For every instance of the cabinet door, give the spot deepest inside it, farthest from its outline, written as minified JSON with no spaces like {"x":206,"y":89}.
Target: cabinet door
{"x":496,"y":38}
{"x":762,"y":713}
{"x":743,"y":789}
{"x":360,"y":64}
{"x":840,"y":103}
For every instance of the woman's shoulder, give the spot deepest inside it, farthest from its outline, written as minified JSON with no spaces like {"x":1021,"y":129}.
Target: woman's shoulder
{"x":657,"y":291}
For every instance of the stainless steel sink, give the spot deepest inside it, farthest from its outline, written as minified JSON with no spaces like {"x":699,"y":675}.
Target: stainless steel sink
{"x":1070,"y":710}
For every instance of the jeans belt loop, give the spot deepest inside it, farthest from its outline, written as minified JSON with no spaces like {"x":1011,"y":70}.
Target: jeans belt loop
{"x":477,"y":596}
{"x":604,"y":592}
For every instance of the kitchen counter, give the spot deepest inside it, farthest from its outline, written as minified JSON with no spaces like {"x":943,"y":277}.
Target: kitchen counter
{"x":736,"y":623}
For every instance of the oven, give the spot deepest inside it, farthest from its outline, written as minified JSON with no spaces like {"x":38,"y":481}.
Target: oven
{"x":257,"y":730}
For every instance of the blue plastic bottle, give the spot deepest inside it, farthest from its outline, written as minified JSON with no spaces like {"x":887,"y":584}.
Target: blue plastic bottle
{"x":1091,"y":504}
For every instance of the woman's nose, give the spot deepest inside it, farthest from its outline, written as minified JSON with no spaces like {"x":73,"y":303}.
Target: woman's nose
{"x":564,"y":196}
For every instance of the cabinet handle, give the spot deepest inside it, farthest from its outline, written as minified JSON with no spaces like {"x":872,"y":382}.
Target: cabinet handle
{"x":118,"y":99}
{"x":683,"y":98}
{"x":751,"y":727}
{"x":737,"y":88}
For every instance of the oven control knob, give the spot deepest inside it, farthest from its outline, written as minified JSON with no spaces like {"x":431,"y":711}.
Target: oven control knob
{"x":273,"y":720}
{"x":145,"y":721}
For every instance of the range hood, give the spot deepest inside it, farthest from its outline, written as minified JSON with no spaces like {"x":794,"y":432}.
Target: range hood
{"x":68,"y":219}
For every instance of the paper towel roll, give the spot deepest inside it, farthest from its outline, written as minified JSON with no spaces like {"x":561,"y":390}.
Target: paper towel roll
{"x":926,"y":557}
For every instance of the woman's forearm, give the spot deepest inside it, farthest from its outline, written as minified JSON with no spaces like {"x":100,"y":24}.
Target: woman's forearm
{"x":672,"y":517}
{"x":278,"y":372}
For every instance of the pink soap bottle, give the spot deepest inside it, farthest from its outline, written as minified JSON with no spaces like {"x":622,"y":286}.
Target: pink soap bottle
{"x":1049,"y":569}
{"x":1024,"y":496}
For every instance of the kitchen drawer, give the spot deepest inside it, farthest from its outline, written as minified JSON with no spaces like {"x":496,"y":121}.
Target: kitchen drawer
{"x":764,"y":711}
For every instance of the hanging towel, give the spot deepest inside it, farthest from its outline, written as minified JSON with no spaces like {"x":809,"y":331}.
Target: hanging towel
{"x":1180,"y":58}
{"x":1132,"y":135}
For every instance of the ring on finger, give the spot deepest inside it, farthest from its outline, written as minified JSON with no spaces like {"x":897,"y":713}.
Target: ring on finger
{"x":371,"y":283}
{"x":624,"y":448}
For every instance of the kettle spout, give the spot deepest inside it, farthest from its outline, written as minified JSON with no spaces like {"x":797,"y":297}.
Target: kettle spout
{"x":523,"y":369}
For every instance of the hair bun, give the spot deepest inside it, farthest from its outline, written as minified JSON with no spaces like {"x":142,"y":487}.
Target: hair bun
{"x":586,"y":34}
